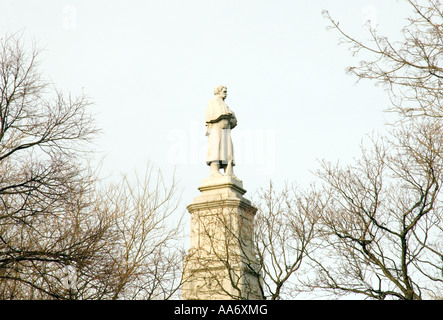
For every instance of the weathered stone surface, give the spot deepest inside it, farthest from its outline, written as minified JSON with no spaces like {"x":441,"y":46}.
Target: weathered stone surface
{"x":220,"y":120}
{"x":221,"y":262}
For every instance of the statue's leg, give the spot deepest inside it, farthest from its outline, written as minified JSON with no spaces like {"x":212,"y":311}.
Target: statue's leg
{"x":229,"y":169}
{"x":215,"y":169}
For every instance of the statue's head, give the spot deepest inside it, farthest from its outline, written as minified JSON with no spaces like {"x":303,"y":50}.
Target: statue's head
{"x":221,"y":91}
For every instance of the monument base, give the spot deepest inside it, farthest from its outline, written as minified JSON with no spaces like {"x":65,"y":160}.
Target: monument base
{"x":221,"y":262}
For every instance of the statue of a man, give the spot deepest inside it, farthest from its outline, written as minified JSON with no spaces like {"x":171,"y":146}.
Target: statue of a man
{"x":219,"y":122}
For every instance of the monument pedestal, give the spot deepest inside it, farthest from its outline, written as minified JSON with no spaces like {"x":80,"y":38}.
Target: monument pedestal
{"x":221,"y":262}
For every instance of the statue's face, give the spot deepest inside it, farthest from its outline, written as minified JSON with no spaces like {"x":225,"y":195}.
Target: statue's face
{"x":224,"y":93}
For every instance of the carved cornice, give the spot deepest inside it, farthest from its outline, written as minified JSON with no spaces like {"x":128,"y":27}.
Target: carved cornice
{"x":228,"y":185}
{"x":221,"y":204}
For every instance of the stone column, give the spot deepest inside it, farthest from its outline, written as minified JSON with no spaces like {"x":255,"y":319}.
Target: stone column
{"x":221,"y":262}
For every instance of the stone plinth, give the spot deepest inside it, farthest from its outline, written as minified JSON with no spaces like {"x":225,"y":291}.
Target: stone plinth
{"x":221,"y":262}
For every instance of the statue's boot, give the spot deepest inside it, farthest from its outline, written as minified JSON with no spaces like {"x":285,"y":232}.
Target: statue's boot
{"x":230,"y":171}
{"x":215,"y":169}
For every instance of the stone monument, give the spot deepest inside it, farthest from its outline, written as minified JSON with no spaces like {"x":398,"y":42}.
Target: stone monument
{"x":221,"y":262}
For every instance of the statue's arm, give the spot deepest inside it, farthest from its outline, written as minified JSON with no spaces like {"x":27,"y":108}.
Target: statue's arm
{"x":222,"y":117}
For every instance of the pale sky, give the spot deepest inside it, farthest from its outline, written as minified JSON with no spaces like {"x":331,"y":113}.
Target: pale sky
{"x":150,"y":67}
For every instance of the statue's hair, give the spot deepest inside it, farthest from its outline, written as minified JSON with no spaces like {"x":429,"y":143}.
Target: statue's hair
{"x":218,"y":89}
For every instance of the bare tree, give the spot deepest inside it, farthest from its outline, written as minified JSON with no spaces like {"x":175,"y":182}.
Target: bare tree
{"x":382,"y":224}
{"x":43,"y":185}
{"x":410,"y":69}
{"x":143,"y":254}
{"x":284,"y":230}
{"x":64,"y":234}
{"x":382,"y":221}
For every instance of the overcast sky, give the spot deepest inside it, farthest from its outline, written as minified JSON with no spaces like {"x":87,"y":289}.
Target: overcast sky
{"x":150,"y":68}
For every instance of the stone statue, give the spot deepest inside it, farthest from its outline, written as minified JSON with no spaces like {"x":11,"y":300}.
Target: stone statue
{"x":220,"y":120}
